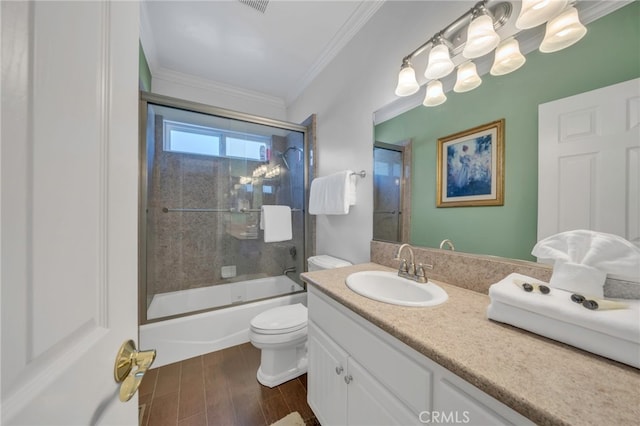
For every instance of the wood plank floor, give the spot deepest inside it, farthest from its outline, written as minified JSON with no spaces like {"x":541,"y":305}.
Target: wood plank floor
{"x":219,"y":388}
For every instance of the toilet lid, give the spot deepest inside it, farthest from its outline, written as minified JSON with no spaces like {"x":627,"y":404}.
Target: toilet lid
{"x":283,"y":319}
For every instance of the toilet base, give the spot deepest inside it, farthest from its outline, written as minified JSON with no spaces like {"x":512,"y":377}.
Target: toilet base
{"x":272,"y":380}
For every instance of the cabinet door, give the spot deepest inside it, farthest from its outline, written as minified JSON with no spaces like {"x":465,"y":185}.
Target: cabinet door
{"x":456,"y":401}
{"x":326,"y":387}
{"x":371,"y":404}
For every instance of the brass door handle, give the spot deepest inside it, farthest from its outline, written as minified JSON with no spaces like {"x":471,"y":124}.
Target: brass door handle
{"x":123,"y":372}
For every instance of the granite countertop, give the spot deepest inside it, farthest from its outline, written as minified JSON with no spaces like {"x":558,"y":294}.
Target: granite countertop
{"x":544,"y":380}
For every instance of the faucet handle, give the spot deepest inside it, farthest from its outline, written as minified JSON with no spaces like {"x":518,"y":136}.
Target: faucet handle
{"x":403,"y":270}
{"x":420,"y":275}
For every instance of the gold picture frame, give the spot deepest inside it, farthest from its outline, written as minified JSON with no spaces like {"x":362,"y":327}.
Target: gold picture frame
{"x":470,"y":169}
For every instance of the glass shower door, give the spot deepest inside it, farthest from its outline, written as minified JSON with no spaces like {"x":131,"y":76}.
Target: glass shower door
{"x":387,"y":200}
{"x":207,"y":177}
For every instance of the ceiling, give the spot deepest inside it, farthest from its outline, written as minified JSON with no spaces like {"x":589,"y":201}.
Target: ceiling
{"x":229,"y":43}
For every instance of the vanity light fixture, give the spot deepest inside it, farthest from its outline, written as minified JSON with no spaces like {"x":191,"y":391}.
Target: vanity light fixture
{"x":440,"y":63}
{"x":536,"y":12}
{"x":481,"y":36}
{"x":508,"y":57}
{"x":407,"y":83}
{"x":468,"y":78}
{"x":563,"y":31}
{"x":474,"y":35}
{"x":435,"y":95}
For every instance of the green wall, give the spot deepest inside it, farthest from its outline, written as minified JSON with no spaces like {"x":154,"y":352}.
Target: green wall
{"x":608,"y":54}
{"x":144,"y":73}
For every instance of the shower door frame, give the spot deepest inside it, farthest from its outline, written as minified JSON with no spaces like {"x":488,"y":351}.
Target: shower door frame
{"x":147,"y":98}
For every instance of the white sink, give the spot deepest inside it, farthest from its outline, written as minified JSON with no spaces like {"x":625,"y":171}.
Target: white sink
{"x":388,"y":287}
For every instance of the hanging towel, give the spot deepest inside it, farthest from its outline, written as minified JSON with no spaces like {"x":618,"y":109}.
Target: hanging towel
{"x":333,"y":194}
{"x":583,"y":259}
{"x":276,"y":223}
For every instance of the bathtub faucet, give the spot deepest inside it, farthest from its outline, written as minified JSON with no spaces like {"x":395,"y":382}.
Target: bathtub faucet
{"x":289,"y":270}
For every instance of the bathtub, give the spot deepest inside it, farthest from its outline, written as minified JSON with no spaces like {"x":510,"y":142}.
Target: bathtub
{"x":185,"y":337}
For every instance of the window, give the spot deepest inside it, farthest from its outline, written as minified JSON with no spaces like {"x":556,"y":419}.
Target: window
{"x":193,"y":139}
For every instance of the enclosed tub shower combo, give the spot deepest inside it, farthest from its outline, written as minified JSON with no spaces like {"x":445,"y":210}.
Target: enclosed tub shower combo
{"x":209,"y":177}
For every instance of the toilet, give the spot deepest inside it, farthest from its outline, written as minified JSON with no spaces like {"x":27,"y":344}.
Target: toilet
{"x":281,"y":334}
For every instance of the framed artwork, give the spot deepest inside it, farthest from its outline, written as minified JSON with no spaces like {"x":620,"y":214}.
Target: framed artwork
{"x":471,"y":167}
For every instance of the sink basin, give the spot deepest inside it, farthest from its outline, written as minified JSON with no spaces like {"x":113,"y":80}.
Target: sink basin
{"x":388,"y":287}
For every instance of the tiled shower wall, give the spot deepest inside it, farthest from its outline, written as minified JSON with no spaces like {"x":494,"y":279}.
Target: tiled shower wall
{"x":188,"y":249}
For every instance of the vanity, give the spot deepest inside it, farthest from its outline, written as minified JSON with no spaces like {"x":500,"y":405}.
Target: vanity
{"x":378,"y":363}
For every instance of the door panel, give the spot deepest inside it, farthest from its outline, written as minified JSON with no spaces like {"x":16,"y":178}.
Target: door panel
{"x":588,"y":162}
{"x":69,"y":209}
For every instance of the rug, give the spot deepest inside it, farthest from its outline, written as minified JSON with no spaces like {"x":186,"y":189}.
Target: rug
{"x":291,"y":419}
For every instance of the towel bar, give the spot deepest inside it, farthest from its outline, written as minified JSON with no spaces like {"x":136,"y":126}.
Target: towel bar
{"x":361,"y":173}
{"x":231,"y":210}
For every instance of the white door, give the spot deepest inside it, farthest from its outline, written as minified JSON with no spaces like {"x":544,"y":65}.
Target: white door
{"x":589,"y":162}
{"x":68,"y":210}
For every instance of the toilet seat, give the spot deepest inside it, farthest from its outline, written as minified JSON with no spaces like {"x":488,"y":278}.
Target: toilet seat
{"x":280,"y":320}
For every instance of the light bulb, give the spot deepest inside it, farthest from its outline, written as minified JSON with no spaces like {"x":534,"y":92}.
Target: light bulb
{"x":508,"y":57}
{"x":481,"y":37}
{"x":407,"y":83}
{"x":563,"y":31}
{"x":536,"y":12}
{"x":435,"y":95}
{"x":468,"y":78}
{"x":440,"y":64}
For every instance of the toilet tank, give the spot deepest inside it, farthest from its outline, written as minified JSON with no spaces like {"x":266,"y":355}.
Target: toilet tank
{"x":323,"y":261}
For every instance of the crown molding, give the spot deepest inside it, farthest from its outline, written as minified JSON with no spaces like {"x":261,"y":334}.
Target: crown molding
{"x":529,"y":41}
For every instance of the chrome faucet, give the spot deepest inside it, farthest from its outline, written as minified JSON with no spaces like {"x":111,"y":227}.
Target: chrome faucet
{"x":448,"y":243}
{"x":409,"y":269}
{"x":289,"y":270}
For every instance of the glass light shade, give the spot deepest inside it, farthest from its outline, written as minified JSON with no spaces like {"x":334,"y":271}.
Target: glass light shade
{"x":481,"y":37}
{"x":536,"y":12}
{"x":440,"y":63}
{"x":508,"y":57}
{"x":563,"y":31}
{"x":468,"y":78}
{"x":435,"y":95}
{"x":407,"y":83}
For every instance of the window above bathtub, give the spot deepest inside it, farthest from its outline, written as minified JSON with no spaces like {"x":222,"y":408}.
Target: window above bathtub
{"x":201,"y":140}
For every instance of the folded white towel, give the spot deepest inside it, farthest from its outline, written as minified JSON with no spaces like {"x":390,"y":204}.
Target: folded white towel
{"x":332,"y":194}
{"x":583,"y":259}
{"x":596,"y":342}
{"x":276,"y":223}
{"x":558,"y":306}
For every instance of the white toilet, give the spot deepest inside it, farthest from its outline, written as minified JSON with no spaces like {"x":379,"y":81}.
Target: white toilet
{"x":281,"y":334}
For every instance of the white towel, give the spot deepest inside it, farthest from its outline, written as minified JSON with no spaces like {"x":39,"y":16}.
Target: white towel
{"x":613,"y":334}
{"x":276,"y":223}
{"x":583,"y":259}
{"x":557,"y":305}
{"x":333,"y":194}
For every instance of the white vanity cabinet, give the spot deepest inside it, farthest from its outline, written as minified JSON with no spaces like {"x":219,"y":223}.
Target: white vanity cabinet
{"x":342,"y":392}
{"x":360,"y":375}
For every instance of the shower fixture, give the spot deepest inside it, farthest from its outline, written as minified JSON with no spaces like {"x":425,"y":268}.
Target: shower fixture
{"x":283,"y":155}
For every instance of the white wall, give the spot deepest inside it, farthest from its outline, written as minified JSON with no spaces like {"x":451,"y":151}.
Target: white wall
{"x":360,"y":80}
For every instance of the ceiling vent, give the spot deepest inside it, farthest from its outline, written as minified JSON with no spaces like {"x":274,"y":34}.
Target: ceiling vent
{"x":259,"y":5}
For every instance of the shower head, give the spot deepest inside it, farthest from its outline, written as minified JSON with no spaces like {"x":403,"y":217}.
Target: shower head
{"x":283,"y":154}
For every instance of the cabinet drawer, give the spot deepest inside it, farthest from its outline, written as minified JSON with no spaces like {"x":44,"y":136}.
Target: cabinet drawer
{"x":406,"y":379}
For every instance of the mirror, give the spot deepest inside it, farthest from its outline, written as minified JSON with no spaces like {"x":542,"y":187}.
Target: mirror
{"x":391,"y":191}
{"x":509,"y":230}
